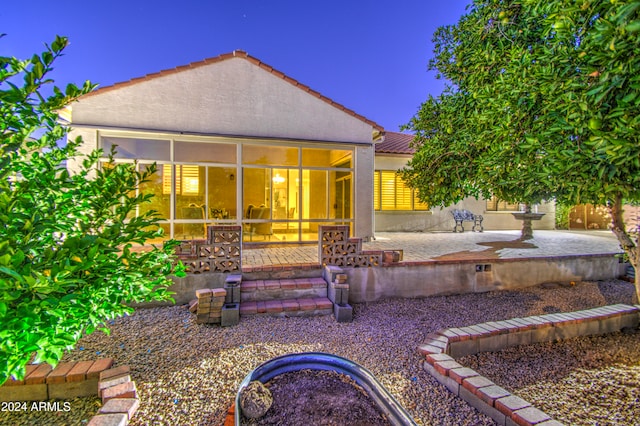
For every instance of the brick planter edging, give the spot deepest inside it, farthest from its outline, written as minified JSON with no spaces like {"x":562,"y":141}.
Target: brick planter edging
{"x":80,"y":379}
{"x":442,"y":347}
{"x":119,"y":398}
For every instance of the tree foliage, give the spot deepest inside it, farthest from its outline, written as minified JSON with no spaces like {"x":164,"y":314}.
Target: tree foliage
{"x":67,"y":263}
{"x":542,"y":101}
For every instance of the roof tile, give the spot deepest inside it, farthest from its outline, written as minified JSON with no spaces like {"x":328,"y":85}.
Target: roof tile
{"x":396,"y":143}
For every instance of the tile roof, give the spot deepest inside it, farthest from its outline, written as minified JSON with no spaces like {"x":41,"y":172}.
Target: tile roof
{"x":396,"y":143}
{"x":243,"y":55}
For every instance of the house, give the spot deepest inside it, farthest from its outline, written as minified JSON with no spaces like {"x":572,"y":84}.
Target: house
{"x":397,"y":208}
{"x":238,"y":142}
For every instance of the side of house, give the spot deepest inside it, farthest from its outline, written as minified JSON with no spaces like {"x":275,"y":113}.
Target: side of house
{"x":396,"y":207}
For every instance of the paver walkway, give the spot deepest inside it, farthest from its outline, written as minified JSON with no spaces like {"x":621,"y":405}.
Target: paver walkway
{"x":433,"y":245}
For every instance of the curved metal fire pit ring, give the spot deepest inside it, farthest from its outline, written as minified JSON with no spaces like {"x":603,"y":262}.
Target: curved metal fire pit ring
{"x":394,"y":412}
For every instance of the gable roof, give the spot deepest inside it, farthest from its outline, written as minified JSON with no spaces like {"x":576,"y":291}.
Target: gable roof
{"x":396,"y":143}
{"x":243,"y":55}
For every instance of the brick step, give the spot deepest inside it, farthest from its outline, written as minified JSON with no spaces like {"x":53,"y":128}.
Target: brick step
{"x":306,"y":306}
{"x":291,"y":288}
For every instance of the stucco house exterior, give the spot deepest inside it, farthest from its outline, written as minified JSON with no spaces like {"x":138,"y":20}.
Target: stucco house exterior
{"x":238,"y":142}
{"x":397,"y":208}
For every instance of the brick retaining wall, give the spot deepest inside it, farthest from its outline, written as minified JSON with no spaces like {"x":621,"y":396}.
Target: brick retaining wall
{"x":79,"y":379}
{"x":441,"y":349}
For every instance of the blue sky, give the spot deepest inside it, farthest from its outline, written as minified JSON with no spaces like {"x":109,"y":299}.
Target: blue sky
{"x":370,"y":56}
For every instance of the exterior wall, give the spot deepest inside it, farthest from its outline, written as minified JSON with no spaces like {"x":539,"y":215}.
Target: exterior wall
{"x":363,"y":187}
{"x":235,"y":98}
{"x":422,"y":279}
{"x":231,"y":97}
{"x":90,"y":139}
{"x":430,"y":278}
{"x":439,"y":219}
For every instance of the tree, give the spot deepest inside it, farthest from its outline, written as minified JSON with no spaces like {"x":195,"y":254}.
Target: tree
{"x":542,"y":102}
{"x":66,"y":259}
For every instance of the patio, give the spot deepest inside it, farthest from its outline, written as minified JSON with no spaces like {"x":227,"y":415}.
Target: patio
{"x":451,"y":246}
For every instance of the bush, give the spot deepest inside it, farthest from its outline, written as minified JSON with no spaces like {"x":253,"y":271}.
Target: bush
{"x":66,"y":259}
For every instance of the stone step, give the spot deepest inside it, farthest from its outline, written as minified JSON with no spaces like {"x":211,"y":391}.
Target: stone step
{"x":289,"y":288}
{"x":306,"y":306}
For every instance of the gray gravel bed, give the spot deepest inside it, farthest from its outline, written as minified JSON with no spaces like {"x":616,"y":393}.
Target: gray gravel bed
{"x":592,"y":380}
{"x":187,"y":373}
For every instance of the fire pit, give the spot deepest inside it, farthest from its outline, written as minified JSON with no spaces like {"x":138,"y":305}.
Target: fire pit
{"x":317,"y":361}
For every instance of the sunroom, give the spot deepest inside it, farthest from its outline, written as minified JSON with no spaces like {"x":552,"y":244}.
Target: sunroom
{"x":239,"y":143}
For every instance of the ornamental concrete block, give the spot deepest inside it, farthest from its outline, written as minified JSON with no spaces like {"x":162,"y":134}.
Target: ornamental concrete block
{"x":343,"y":312}
{"x":230,"y":314}
{"x":329,"y":272}
{"x":338,"y":293}
{"x":233,"y":293}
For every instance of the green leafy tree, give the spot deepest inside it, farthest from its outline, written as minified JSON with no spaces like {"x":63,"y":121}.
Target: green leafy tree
{"x":67,"y":261}
{"x":542,"y":102}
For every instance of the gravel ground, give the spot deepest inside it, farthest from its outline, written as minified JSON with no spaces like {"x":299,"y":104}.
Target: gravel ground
{"x":598,"y":378}
{"x":188,"y":373}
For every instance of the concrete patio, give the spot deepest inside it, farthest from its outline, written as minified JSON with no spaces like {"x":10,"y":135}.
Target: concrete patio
{"x":451,"y":246}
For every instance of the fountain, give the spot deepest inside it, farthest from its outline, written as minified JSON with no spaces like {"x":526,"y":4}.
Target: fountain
{"x":526,"y":217}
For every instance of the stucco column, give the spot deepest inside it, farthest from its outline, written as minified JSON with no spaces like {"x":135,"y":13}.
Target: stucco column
{"x":363,"y":187}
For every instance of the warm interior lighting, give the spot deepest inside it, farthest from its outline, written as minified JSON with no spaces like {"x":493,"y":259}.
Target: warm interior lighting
{"x":278,"y":179}
{"x":187,"y":180}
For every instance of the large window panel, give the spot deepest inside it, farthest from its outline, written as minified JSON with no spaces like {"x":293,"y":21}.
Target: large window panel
{"x":271,"y":155}
{"x":190,"y":192}
{"x":285,"y":193}
{"x":221,"y":199}
{"x":256,"y":191}
{"x":139,"y":149}
{"x":161,"y":200}
{"x":315,"y":157}
{"x":203,"y":152}
{"x":314,"y":194}
{"x":190,"y":231}
{"x":341,"y":194}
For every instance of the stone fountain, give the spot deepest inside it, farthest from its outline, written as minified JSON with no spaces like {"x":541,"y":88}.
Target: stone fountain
{"x":526,"y":217}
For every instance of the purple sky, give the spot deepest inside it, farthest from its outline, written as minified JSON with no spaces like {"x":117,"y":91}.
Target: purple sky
{"x":370,"y":56}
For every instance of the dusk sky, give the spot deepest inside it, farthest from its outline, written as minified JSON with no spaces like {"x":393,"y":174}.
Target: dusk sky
{"x":370,"y":56}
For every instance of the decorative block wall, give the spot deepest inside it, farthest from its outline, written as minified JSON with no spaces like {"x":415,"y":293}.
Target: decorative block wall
{"x":336,"y":248}
{"x":221,"y":252}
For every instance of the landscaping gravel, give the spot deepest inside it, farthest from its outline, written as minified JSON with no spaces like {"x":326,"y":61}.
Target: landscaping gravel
{"x":187,"y":373}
